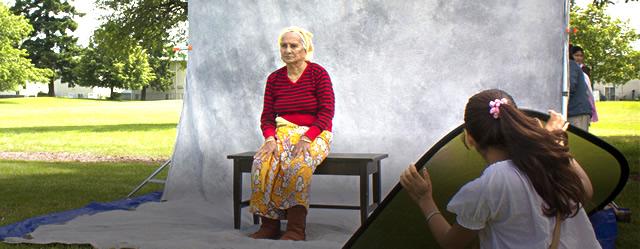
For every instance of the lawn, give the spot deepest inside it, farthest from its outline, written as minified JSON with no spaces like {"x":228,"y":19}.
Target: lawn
{"x":132,"y":128}
{"x":619,"y":125}
{"x":30,"y":188}
{"x":58,"y":186}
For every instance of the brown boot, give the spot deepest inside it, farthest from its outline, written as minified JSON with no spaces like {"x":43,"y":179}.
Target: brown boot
{"x":270,"y":229}
{"x":297,"y":217}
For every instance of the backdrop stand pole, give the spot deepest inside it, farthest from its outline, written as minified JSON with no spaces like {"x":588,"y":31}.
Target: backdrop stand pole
{"x":151,"y":179}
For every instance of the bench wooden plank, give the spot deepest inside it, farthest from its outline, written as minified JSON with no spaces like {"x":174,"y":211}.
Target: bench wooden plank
{"x":332,"y":156}
{"x":346,"y":164}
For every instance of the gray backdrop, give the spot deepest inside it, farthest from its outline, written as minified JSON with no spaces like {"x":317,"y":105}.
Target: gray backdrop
{"x":401,"y":71}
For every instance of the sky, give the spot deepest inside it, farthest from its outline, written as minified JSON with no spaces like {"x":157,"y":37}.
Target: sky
{"x":91,"y":20}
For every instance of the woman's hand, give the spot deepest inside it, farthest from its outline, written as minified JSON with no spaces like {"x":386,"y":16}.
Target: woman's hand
{"x":269,"y":147}
{"x":302,"y":146}
{"x":556,"y":122}
{"x":418,"y":186}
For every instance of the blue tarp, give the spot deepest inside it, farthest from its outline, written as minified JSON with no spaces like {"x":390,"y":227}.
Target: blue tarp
{"x":27,"y":226}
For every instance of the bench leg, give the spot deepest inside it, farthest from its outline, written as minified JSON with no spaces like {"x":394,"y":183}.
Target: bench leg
{"x":237,"y":194}
{"x":376,"y":185}
{"x":364,"y":196}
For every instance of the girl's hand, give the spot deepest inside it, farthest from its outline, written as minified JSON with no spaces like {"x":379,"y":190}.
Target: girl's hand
{"x":556,"y":122}
{"x":417,"y":185}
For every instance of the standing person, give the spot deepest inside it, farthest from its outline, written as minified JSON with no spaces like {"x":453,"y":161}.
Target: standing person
{"x":579,"y":110}
{"x":578,"y":56}
{"x":296,"y":123}
{"x":529,"y":196}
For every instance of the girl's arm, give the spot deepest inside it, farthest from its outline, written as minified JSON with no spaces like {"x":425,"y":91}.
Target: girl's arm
{"x":557,"y":122}
{"x":419,"y":189}
{"x":584,"y":178}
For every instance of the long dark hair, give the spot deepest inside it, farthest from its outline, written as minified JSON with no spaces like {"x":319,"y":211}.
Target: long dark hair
{"x":534,"y":150}
{"x":585,"y":69}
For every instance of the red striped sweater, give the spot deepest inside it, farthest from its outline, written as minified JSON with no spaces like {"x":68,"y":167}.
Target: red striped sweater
{"x":307,"y":102}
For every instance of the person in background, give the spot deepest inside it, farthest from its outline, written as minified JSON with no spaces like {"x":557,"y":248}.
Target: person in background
{"x":578,"y":55}
{"x":579,"y":110}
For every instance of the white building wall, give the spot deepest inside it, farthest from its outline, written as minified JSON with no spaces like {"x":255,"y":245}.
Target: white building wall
{"x":628,"y":91}
{"x":63,"y":90}
{"x":29,"y":90}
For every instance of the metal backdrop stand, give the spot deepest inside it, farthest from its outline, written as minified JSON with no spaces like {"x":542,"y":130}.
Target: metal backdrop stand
{"x":565,"y":61}
{"x":151,"y":178}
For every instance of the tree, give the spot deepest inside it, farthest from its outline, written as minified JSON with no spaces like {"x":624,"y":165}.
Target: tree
{"x":160,"y":62}
{"x":600,"y":3}
{"x":154,"y":24}
{"x":112,"y":62}
{"x":148,"y":21}
{"x":634,"y":57}
{"x":15,"y":68}
{"x":51,"y":45}
{"x":607,"y":44}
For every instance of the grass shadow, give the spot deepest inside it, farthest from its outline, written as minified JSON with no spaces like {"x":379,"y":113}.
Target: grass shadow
{"x":45,"y":187}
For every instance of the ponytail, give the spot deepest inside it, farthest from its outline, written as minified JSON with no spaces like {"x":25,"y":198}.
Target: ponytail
{"x":535,"y":151}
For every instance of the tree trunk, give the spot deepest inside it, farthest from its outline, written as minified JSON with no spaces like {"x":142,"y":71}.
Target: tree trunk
{"x":143,"y":93}
{"x":52,"y":92}
{"x":111,"y":94}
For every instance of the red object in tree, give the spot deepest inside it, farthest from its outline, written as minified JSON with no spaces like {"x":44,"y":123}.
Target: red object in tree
{"x":176,"y":49}
{"x":189,"y":47}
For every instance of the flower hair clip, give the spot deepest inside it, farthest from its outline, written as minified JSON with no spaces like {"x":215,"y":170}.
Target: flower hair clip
{"x":495,"y":107}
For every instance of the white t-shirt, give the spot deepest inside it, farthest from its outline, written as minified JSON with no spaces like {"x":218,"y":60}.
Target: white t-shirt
{"x":506,"y":209}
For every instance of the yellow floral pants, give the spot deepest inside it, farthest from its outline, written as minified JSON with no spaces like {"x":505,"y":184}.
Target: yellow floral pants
{"x":282,"y":181}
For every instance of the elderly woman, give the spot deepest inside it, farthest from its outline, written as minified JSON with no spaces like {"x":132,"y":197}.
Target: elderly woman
{"x":296,"y":124}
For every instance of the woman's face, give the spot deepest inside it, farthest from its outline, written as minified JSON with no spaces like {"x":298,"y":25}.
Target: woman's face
{"x":291,"y":49}
{"x":579,"y":57}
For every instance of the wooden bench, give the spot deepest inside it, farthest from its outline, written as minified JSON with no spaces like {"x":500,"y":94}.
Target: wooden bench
{"x":342,"y":164}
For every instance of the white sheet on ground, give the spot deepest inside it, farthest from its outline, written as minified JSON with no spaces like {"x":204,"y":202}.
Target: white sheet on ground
{"x":402,"y":72}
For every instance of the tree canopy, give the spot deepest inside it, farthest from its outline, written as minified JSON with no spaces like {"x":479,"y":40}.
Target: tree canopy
{"x":606,"y":43}
{"x":601,"y":3}
{"x":50,"y":44}
{"x":15,"y":68}
{"x":156,"y":25}
{"x":113,"y":62}
{"x":148,"y":21}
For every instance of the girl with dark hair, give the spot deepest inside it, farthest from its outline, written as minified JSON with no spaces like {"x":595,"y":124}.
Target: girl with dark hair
{"x":578,"y":56}
{"x":578,"y":109}
{"x":530,"y":195}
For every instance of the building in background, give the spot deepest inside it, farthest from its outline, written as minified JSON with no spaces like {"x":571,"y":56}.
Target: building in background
{"x":628,"y":91}
{"x":175,"y":91}
{"x":28,"y":90}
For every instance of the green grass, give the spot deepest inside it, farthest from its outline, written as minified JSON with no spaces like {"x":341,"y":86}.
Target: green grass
{"x":619,"y":125}
{"x":31,"y":189}
{"x":89,"y":126}
{"x":617,"y":118}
